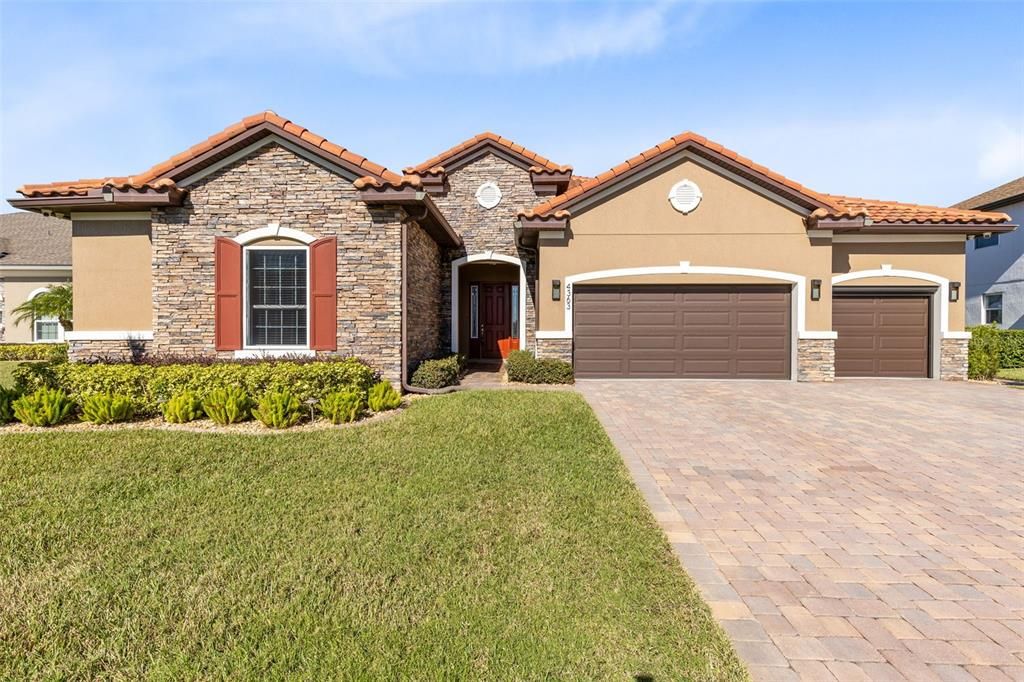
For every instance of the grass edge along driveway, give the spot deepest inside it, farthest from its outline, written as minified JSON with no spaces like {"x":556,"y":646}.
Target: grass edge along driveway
{"x":486,"y":535}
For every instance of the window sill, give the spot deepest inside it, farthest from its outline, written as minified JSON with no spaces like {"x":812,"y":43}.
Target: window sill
{"x":257,"y":353}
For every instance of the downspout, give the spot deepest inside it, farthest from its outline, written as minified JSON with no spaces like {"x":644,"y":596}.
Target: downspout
{"x":405,"y":337}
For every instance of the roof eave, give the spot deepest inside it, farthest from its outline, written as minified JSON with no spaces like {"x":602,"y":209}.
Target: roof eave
{"x":431,"y":218}
{"x":105,"y":199}
{"x":862,"y":226}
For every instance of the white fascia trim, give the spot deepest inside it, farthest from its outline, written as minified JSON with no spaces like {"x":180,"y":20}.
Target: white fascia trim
{"x":110,"y":215}
{"x":799,"y":283}
{"x":109,"y":336}
{"x":487,"y":257}
{"x":273,"y":231}
{"x":889,"y":271}
{"x":258,"y":353}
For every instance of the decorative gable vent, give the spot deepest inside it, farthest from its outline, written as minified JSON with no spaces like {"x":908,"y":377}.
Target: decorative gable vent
{"x":488,"y":195}
{"x":684,"y":196}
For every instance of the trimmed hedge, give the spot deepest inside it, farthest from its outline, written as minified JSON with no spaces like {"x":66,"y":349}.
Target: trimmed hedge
{"x":53,"y":352}
{"x":150,"y":385}
{"x":524,"y":368}
{"x":991,"y":349}
{"x":439,"y":373}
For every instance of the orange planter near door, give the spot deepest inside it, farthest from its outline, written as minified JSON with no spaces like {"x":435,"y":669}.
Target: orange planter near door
{"x":506,"y":346}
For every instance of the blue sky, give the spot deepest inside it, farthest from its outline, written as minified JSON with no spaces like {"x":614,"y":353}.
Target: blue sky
{"x":918,"y":102}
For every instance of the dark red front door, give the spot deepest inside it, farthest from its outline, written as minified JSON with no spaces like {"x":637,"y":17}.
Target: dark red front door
{"x":495,"y":318}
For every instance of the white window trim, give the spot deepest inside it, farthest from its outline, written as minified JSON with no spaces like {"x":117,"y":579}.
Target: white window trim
{"x":274,"y":231}
{"x":272,"y":351}
{"x":985,"y":308}
{"x":942,"y":294}
{"x":60,"y":328}
{"x":485,"y":257}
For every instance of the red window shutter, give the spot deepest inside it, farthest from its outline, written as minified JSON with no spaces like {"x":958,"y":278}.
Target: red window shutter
{"x":323,"y":295}
{"x":227,"y":308}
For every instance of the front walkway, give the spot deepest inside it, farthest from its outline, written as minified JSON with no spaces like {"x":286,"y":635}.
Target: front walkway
{"x":857,"y":530}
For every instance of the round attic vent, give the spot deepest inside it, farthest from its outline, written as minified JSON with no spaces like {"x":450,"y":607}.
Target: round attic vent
{"x":488,"y":195}
{"x":684,"y":196}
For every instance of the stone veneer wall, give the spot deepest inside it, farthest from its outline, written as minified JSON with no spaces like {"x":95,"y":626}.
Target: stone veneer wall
{"x":124,"y":351}
{"x":816,"y":359}
{"x":487,"y":229}
{"x":953,"y":359}
{"x":423,"y":297}
{"x":274,"y":185}
{"x":560,"y":349}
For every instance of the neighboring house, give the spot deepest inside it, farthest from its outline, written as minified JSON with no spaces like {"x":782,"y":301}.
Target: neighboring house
{"x":35,"y":253}
{"x":687,"y":260}
{"x":995,"y":262}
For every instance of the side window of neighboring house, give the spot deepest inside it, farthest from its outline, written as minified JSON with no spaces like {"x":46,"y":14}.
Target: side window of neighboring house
{"x":993,"y":308}
{"x":981,"y":242}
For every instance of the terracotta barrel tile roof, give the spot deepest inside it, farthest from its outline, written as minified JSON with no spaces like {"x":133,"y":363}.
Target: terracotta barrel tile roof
{"x":156,"y":178}
{"x":896,"y":212}
{"x":511,"y":146}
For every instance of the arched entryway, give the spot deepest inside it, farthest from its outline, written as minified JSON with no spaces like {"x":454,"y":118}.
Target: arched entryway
{"x":488,"y":295}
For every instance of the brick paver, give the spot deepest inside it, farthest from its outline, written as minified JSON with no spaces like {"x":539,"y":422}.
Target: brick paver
{"x":857,"y":530}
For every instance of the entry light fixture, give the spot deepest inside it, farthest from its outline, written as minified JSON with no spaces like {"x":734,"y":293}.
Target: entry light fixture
{"x":954,"y":292}
{"x":815,"y":289}
{"x":556,"y":289}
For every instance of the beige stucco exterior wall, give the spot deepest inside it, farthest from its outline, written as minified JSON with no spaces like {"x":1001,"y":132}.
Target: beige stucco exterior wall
{"x":733,"y":226}
{"x":945,"y":259}
{"x":16,"y":292}
{"x":113,"y":283}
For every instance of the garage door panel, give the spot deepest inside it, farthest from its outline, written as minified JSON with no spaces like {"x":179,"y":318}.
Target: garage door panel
{"x":882,"y":335}
{"x":590,"y":317}
{"x":683,"y":331}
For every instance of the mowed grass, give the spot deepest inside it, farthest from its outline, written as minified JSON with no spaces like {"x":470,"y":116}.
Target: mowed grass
{"x":1015,"y":374}
{"x":489,"y":535}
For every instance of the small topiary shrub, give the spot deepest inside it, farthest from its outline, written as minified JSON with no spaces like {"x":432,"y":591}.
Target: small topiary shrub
{"x":227,"y":406}
{"x":7,"y":398}
{"x":383,"y":397}
{"x":1011,"y":352}
{"x":523,"y":367}
{"x":439,"y":373}
{"x":983,"y":352}
{"x":45,"y":407}
{"x":107,"y":408}
{"x":279,"y":409}
{"x":183,"y":408}
{"x":343,"y":406}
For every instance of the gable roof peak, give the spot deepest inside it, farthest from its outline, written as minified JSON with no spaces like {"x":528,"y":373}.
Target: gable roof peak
{"x":467,"y":147}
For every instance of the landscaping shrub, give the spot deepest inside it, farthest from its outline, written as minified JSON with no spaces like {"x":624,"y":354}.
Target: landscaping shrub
{"x":227,"y":405}
{"x":7,"y":398}
{"x":439,"y":373}
{"x":106,"y":408}
{"x":523,"y":367}
{"x":54,"y":352}
{"x":278,"y":409}
{"x":383,"y":396}
{"x":182,"y":408}
{"x":151,"y":384}
{"x":1011,"y":352}
{"x":44,"y":407}
{"x":983,"y":352}
{"x":343,"y":406}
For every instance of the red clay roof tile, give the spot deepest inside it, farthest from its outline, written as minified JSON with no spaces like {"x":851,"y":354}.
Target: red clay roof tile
{"x":486,"y":136}
{"x":154,"y":177}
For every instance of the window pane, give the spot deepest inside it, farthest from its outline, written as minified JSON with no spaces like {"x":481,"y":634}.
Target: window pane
{"x":474,"y":311}
{"x":980,"y":242}
{"x":993,"y":317}
{"x":515,"y":311}
{"x":46,"y":330}
{"x":994,"y":301}
{"x":277,"y":297}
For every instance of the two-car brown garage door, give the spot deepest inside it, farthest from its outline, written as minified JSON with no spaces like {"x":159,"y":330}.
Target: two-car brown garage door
{"x":708,"y":332}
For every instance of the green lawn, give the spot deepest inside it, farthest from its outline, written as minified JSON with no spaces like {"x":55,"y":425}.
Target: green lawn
{"x":489,"y":535}
{"x":1012,"y":374}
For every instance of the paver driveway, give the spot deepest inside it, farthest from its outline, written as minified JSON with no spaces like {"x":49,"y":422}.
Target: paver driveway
{"x":856,"y":530}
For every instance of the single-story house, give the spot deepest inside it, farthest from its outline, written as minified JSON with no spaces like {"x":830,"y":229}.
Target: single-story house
{"x":995,"y":262}
{"x":35,"y":254}
{"x":687,"y":260}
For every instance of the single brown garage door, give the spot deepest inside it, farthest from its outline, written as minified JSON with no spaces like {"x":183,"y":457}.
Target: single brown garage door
{"x":701,"y":332}
{"x":881,"y":336}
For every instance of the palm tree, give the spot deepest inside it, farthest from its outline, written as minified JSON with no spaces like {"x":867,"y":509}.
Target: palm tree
{"x":54,"y":302}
